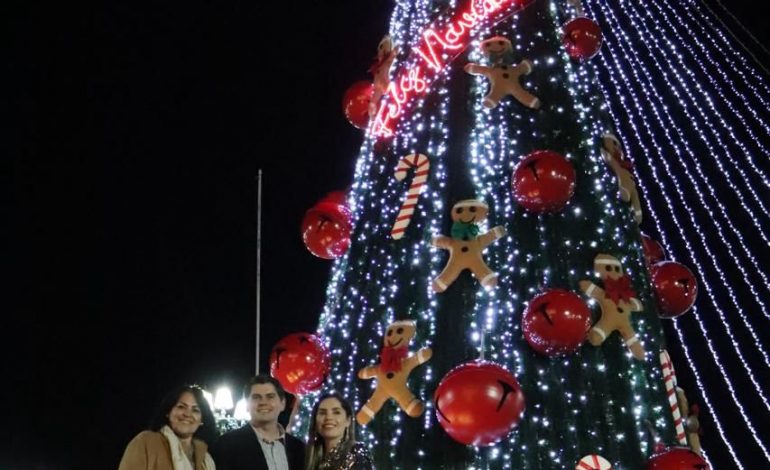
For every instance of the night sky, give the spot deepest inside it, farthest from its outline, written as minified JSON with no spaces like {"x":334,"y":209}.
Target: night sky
{"x":136,"y":132}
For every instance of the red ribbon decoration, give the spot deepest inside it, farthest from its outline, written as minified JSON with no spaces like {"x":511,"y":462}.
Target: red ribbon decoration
{"x":390,"y":358}
{"x":619,"y":289}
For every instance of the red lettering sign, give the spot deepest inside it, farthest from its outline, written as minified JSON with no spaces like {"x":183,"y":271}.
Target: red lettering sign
{"x":441,"y":43}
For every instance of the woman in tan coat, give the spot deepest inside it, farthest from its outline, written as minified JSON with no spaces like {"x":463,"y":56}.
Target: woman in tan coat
{"x":178,"y":435}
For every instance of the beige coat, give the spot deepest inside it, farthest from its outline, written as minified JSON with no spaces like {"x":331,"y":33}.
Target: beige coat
{"x":150,"y":450}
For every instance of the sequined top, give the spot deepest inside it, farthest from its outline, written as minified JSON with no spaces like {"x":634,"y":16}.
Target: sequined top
{"x":358,"y":458}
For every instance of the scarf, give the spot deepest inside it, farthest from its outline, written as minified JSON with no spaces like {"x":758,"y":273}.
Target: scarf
{"x":619,"y":289}
{"x":464,"y":231}
{"x":390,"y":358}
{"x":178,"y":457}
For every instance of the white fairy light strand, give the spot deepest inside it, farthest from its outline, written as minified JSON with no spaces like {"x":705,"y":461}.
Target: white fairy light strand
{"x":733,"y":228}
{"x":648,"y":152}
{"x":703,"y":57}
{"x":663,"y":240}
{"x":735,"y":38}
{"x":689,"y":210}
{"x":704,"y":96}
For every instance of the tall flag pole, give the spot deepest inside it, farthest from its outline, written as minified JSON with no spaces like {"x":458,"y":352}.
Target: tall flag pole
{"x":259,"y":252}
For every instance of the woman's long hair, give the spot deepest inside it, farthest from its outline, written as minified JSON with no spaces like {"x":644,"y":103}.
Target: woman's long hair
{"x":206,"y":432}
{"x":315,"y":443}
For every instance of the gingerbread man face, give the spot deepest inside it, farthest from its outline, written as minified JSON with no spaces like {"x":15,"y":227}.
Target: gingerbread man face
{"x":470,"y":211}
{"x":611,"y":146}
{"x":496,"y":48}
{"x":399,"y":334}
{"x":608,"y":267}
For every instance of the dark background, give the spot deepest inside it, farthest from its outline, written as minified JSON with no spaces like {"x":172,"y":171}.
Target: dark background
{"x":134,"y":135}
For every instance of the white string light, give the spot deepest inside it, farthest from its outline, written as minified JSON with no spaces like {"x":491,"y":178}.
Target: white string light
{"x":640,"y":141}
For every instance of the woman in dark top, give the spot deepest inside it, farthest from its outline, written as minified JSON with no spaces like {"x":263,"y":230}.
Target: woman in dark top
{"x":332,"y":437}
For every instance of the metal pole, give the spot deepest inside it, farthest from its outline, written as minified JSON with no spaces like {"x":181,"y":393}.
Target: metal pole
{"x":259,"y":249}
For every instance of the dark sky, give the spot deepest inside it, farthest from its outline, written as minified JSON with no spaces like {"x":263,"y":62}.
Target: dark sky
{"x":136,"y":132}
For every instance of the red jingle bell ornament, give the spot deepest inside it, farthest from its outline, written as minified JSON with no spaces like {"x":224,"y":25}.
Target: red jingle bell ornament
{"x":653,"y":251}
{"x":326,"y":227}
{"x":675,"y":288}
{"x":300,"y":362}
{"x":582,"y":37}
{"x":556,"y":322}
{"x":543,"y":182}
{"x":355,"y":103}
{"x":677,"y":458}
{"x":478,"y":403}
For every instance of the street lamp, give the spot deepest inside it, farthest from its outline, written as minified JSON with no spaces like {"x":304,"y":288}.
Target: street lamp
{"x":223,"y":400}
{"x":241,"y":412}
{"x":222,"y":403}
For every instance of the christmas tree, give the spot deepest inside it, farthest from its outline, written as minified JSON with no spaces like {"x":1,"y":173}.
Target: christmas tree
{"x":505,"y":250}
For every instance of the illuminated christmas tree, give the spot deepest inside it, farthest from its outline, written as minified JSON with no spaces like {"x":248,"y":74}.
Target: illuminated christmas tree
{"x":494,"y":228}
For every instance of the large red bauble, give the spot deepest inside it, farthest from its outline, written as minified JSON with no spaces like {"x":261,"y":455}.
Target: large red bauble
{"x":677,"y":458}
{"x":582,"y":38}
{"x":326,"y":228}
{"x":355,"y":103}
{"x":556,"y":322}
{"x":301,"y":362}
{"x":653,"y":252}
{"x":675,"y":288}
{"x":478,"y":403}
{"x":543,"y":182}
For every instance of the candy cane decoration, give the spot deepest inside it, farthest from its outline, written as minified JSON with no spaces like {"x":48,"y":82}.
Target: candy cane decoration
{"x":593,"y":462}
{"x":669,"y":378}
{"x":421,"y":167}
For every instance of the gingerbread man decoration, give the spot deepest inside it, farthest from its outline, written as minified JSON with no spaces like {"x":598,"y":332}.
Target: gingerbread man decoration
{"x":503,"y":78}
{"x":617,"y":300}
{"x":690,"y":421}
{"x":612,"y":152}
{"x":466,"y":245}
{"x":392,"y":372}
{"x":380,"y":70}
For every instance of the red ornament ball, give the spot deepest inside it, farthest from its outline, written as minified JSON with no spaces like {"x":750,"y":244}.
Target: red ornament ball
{"x":543,"y":182}
{"x":653,"y":251}
{"x":556,"y":322}
{"x":300,"y":362}
{"x":582,"y":37}
{"x":478,"y":403}
{"x":355,"y":103}
{"x":677,"y":458}
{"x":675,"y":288}
{"x":326,"y":228}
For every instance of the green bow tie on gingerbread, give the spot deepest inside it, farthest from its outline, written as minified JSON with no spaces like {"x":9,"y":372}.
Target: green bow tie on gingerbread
{"x":466,"y":245}
{"x":463,"y":231}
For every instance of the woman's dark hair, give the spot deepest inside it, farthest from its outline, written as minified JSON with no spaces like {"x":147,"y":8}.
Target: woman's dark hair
{"x":314,"y":451}
{"x":207,"y":431}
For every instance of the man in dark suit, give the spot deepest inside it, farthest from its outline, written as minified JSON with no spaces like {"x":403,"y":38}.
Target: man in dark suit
{"x":262,"y":444}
